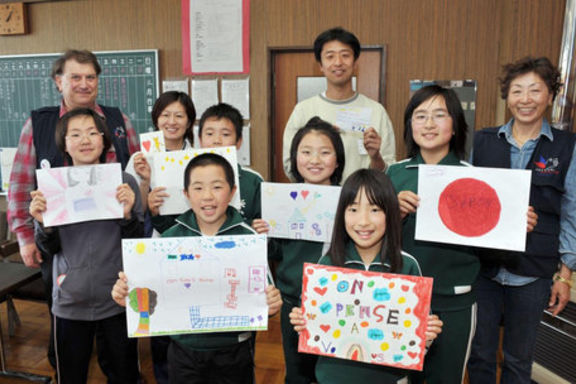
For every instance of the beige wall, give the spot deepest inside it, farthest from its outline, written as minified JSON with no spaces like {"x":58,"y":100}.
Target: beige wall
{"x":432,"y":39}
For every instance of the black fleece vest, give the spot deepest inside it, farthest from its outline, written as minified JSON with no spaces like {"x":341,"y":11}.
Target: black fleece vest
{"x":549,"y":165}
{"x":44,"y":129}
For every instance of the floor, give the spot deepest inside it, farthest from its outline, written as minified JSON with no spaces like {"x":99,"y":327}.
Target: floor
{"x":26,"y":350}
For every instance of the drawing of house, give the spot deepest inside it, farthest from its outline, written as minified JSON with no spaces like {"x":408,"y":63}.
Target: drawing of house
{"x":296,"y":227}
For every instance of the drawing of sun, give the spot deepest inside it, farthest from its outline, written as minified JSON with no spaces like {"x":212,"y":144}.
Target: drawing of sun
{"x":469,"y":207}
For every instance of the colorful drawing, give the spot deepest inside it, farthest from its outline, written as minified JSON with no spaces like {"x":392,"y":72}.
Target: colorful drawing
{"x":483,"y":207}
{"x":196,"y":284}
{"x":168,"y":171}
{"x":376,"y":318}
{"x":80,"y":193}
{"x":299,"y":211}
{"x":151,"y":142}
{"x":6,"y":160}
{"x":142,"y":301}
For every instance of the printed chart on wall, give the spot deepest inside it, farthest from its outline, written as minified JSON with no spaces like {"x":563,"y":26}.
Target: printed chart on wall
{"x":299,"y":211}
{"x":483,"y":207}
{"x":375,"y":318}
{"x":195,"y":284}
{"x":129,"y":81}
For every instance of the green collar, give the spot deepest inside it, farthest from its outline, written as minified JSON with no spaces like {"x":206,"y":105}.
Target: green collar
{"x":233,"y":218}
{"x":449,"y":159}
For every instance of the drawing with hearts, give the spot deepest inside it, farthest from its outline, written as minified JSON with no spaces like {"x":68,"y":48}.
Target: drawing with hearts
{"x":376,"y":318}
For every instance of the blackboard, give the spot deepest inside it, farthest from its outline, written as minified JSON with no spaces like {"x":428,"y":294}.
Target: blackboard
{"x":129,"y":81}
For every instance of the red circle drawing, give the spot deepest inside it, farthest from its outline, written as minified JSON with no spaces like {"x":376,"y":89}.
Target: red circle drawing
{"x":469,"y":207}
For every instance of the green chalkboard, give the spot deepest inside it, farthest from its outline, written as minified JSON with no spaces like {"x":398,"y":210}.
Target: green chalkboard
{"x":129,"y":81}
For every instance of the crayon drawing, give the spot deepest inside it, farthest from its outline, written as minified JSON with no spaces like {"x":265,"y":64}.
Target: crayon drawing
{"x":151,"y":142}
{"x":196,"y":284}
{"x":168,"y":171}
{"x":80,"y":193}
{"x":483,"y":207}
{"x":299,"y":211}
{"x":375,"y":318}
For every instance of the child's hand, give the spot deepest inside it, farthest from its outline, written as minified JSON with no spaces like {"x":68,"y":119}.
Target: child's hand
{"x":156,"y":199}
{"x":37,"y":205}
{"x":532,"y":219}
{"x":125,"y":196}
{"x":273,"y":299}
{"x":433,"y":328}
{"x":409,"y":202}
{"x":142,"y":167}
{"x":260,"y":226}
{"x":297,"y":319}
{"x":120,"y":289}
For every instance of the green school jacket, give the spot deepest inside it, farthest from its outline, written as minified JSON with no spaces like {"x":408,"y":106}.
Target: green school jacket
{"x":331,"y":370}
{"x":453,"y":267}
{"x":186,"y":225}
{"x":250,"y":201}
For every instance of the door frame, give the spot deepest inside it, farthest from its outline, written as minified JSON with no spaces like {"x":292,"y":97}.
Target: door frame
{"x":271,"y":54}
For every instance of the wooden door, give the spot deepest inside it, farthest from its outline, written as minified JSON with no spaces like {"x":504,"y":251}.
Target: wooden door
{"x":288,"y":65}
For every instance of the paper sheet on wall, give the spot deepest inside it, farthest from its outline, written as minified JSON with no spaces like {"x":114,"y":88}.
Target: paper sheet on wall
{"x":195,"y":284}
{"x":482,"y":207}
{"x":7,"y":160}
{"x":204,"y":95}
{"x":376,"y":318}
{"x":243,"y":153}
{"x":175,"y":85}
{"x":236,"y":92}
{"x":80,"y":193}
{"x":300,"y":211}
{"x":168,"y":171}
{"x":215,"y":36}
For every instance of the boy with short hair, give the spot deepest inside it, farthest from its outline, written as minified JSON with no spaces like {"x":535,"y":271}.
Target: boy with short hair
{"x":221,"y":126}
{"x":211,"y":357}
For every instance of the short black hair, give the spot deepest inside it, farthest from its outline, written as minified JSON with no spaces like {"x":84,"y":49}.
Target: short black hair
{"x":340,"y":34}
{"x":318,"y":125}
{"x":541,"y":66}
{"x":379,"y":191}
{"x":170,"y":97}
{"x":223,"y":111}
{"x":62,"y":130}
{"x":206,"y":159}
{"x":454,"y":107}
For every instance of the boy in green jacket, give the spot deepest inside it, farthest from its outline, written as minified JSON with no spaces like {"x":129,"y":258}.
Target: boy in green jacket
{"x":210,"y":357}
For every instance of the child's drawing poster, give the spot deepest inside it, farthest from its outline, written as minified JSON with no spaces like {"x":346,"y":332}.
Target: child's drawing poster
{"x":375,"y":318}
{"x":80,"y":193}
{"x":195,"y":284}
{"x":477,"y":206}
{"x":151,"y":142}
{"x":168,"y":171}
{"x":300,"y":211}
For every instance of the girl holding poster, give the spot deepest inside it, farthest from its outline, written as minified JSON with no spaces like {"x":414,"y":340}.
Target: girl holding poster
{"x":367,"y":236}
{"x":87,"y":258}
{"x":316,"y":157}
{"x":435,"y":133}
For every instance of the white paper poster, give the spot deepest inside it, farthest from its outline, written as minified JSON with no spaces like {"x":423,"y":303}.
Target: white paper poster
{"x":195,"y":284}
{"x":354,"y":119}
{"x":204,"y":95}
{"x":168,"y":171}
{"x":80,"y":193}
{"x":236,"y":92}
{"x":300,"y":211}
{"x":6,"y":159}
{"x":483,"y":207}
{"x":175,"y":85}
{"x":152,"y":142}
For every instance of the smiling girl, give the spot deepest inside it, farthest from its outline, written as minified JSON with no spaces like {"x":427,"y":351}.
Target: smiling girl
{"x":87,"y":258}
{"x":316,"y":157}
{"x":367,"y":236}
